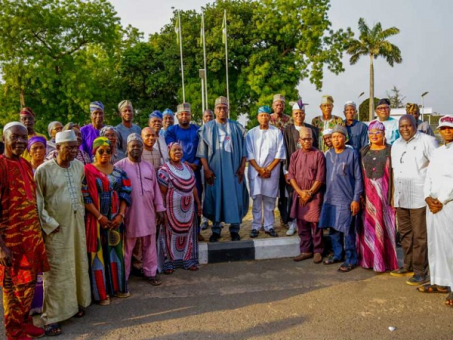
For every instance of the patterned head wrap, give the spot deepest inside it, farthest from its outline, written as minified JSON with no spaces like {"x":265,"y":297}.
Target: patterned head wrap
{"x":278,"y":98}
{"x":299,"y":105}
{"x":51,"y":126}
{"x":36,"y":139}
{"x":375,"y":124}
{"x":124,"y":103}
{"x":96,"y":106}
{"x":221,"y":101}
{"x":350,"y":103}
{"x":264,"y":109}
{"x":98,"y":142}
{"x":168,"y":112}
{"x":412,"y":107}
{"x":134,"y":136}
{"x":27,"y":111}
{"x":106,"y":129}
{"x":172,"y":144}
{"x":326,"y":99}
{"x":156,"y":114}
{"x":11,"y":124}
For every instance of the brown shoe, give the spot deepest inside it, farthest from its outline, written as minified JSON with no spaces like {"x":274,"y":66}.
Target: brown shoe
{"x":303,"y":256}
{"x":317,"y":258}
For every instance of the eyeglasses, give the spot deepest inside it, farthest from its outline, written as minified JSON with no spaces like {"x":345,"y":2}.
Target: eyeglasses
{"x":108,"y":152}
{"x":382,"y":108}
{"x":377,"y":133}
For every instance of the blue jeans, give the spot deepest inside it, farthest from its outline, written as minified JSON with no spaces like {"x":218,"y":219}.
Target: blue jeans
{"x":217,"y":229}
{"x":338,"y":238}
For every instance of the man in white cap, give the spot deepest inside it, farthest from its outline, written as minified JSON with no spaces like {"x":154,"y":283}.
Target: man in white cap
{"x":145,"y":212}
{"x":438,"y":194}
{"x":223,"y":153}
{"x":126,"y":127}
{"x":22,"y":251}
{"x":326,"y":120}
{"x":327,"y":138}
{"x":62,"y":212}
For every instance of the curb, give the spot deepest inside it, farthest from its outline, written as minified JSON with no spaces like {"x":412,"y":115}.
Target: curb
{"x":259,"y":249}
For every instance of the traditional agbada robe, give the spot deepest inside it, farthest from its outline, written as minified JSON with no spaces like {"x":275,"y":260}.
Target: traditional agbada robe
{"x":264,"y":146}
{"x":223,"y":146}
{"x":60,"y":204}
{"x":439,"y":184}
{"x":21,"y":231}
{"x":291,"y":141}
{"x":140,"y":219}
{"x":306,"y":168}
{"x":89,"y":134}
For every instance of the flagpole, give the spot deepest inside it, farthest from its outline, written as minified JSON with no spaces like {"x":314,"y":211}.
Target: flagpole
{"x":226,"y":59}
{"x":182,"y":63}
{"x":205,"y":68}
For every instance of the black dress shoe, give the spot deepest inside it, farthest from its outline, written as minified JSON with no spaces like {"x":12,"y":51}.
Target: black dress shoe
{"x":254,"y":233}
{"x":214,"y":237}
{"x":235,"y":237}
{"x":271,"y":232}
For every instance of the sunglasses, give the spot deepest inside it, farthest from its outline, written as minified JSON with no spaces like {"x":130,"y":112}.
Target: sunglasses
{"x":108,"y":152}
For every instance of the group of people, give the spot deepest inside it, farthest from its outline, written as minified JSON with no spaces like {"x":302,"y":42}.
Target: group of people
{"x":83,"y":209}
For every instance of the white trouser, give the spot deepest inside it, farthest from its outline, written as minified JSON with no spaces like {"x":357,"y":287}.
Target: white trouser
{"x":263,"y":206}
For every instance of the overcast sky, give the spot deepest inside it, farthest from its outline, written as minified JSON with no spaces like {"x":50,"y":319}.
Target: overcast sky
{"x":425,"y":41}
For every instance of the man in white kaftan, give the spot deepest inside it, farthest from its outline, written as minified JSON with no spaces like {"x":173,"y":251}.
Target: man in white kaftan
{"x":265,"y":151}
{"x":61,"y":210}
{"x":439,"y":196}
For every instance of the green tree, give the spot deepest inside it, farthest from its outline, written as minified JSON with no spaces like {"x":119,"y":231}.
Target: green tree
{"x":395,"y":97}
{"x":373,"y":42}
{"x":364,"y":109}
{"x":57,"y":56}
{"x":272,"y":46}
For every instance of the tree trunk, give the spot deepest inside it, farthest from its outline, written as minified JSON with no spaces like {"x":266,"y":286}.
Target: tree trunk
{"x":371,"y":102}
{"x":22,"y":97}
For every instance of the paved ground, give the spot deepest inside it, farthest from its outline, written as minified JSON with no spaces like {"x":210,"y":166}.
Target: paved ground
{"x":270,"y":299}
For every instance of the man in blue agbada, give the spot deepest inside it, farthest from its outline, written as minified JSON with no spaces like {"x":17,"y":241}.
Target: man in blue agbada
{"x":342,"y":199}
{"x":223,"y":153}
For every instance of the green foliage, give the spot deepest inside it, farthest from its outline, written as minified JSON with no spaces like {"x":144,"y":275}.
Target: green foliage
{"x":395,"y":97}
{"x":57,"y":56}
{"x":364,"y":109}
{"x":272,"y":46}
{"x":373,"y":42}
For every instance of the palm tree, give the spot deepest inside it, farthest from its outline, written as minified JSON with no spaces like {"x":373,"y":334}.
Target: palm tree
{"x":373,"y":42}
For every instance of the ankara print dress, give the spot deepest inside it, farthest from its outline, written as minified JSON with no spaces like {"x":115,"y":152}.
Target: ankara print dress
{"x":105,"y":247}
{"x":178,"y":239}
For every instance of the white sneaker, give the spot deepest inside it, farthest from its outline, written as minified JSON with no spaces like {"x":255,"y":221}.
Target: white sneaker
{"x":292,"y":228}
